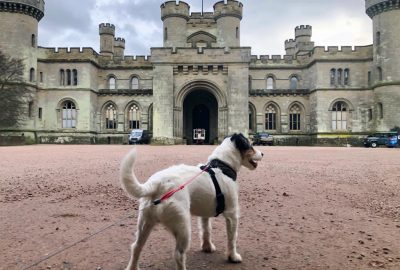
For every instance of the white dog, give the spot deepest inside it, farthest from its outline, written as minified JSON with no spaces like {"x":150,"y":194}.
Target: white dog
{"x":202,"y":197}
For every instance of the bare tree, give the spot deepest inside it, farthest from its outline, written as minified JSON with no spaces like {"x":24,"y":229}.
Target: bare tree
{"x":13,"y":92}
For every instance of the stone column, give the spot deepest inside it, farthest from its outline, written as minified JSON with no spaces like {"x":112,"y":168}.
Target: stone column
{"x":163,"y":106}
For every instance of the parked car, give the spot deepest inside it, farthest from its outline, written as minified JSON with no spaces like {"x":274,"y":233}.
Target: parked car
{"x":378,"y":139}
{"x":139,"y":136}
{"x":263,"y":138}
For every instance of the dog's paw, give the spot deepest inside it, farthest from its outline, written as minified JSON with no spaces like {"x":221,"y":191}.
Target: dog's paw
{"x":208,"y":247}
{"x":235,"y":258}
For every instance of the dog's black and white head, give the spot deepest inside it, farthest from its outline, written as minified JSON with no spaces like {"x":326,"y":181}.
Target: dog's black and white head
{"x":237,"y":151}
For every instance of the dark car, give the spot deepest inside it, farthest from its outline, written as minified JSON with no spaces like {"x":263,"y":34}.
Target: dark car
{"x":263,"y":138}
{"x":138,"y":136}
{"x":378,"y":139}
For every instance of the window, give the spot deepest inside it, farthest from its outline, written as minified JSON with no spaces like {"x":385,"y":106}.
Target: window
{"x":134,"y":117}
{"x":68,"y":115}
{"x":369,"y":115}
{"x":380,"y":110}
{"x":340,"y":76}
{"x":270,"y":118}
{"x":380,"y":75}
{"x":135,"y":83}
{"x":68,"y":77}
{"x":295,"y":118}
{"x":75,"y":77}
{"x":250,"y":83}
{"x":32,"y":75}
{"x":346,"y":76}
{"x":165,"y":33}
{"x":111,"y":83}
{"x":40,"y":113}
{"x":111,"y":117}
{"x":369,"y":78}
{"x":270,"y":83}
{"x":333,"y":76}
{"x":237,"y":32}
{"x":339,"y":116}
{"x":378,"y":38}
{"x":62,"y":77}
{"x":33,"y":40}
{"x":41,"y":77}
{"x":293,"y":83}
{"x":252,"y":118}
{"x":30,"y":109}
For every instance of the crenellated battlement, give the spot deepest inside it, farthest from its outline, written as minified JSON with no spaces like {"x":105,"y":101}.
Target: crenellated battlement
{"x":273,"y":60}
{"x":173,"y":9}
{"x":107,"y":28}
{"x":303,"y":30}
{"x":290,"y":44}
{"x":119,"y":42}
{"x":341,"y":53}
{"x":230,"y":8}
{"x":375,"y":7}
{"x":34,"y":8}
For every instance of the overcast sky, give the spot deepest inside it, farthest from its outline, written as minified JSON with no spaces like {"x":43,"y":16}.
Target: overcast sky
{"x":266,"y":24}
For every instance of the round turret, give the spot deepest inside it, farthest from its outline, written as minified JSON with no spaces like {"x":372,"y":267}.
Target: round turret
{"x":175,"y":17}
{"x":303,"y":33}
{"x":228,"y":16}
{"x":19,"y":31}
{"x":385,"y":16}
{"x":107,"y":33}
{"x":290,"y":46}
{"x":119,"y":47}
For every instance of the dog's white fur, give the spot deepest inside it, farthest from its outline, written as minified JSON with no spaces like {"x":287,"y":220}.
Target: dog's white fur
{"x":198,"y":198}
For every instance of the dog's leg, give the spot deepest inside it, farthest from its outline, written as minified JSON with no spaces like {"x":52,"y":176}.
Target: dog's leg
{"x":143,"y":232}
{"x":181,"y":231}
{"x":231,"y":229}
{"x":205,"y":235}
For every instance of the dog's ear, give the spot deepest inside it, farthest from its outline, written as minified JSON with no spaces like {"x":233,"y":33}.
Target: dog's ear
{"x":241,"y":143}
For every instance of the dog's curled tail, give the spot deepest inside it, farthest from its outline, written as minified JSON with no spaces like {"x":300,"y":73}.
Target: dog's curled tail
{"x":128,"y":179}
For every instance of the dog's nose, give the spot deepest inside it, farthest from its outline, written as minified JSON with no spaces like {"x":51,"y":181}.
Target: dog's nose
{"x":262,"y":154}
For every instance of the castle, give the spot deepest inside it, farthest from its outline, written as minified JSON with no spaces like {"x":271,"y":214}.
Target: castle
{"x":203,"y":78}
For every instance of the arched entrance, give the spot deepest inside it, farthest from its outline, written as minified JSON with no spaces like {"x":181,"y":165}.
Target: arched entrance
{"x":200,"y":110}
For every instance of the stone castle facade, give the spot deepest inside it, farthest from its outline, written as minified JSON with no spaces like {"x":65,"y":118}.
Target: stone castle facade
{"x":203,"y":78}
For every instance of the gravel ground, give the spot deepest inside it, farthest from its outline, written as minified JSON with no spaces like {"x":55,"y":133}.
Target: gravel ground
{"x":303,"y":208}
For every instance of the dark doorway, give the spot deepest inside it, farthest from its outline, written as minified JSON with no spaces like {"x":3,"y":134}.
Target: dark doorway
{"x":200,"y":110}
{"x":201,"y":119}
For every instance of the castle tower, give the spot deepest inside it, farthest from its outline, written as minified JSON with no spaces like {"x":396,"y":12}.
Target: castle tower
{"x":119,"y":47}
{"x":19,"y":31}
{"x":303,"y":35}
{"x":228,"y":16}
{"x":107,"y":33}
{"x":290,"y":46}
{"x":385,"y":15}
{"x":175,"y":17}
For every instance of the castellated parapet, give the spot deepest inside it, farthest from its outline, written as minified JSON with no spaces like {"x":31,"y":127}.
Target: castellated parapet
{"x":119,"y":47}
{"x":119,"y":42}
{"x":230,"y":8}
{"x":173,"y":9}
{"x":290,"y":46}
{"x":34,"y":8}
{"x":303,"y":33}
{"x":375,"y":7}
{"x":106,"y":29}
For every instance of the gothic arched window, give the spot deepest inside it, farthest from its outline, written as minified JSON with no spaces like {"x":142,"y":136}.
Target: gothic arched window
{"x":111,"y":117}
{"x":295,"y":118}
{"x":270,"y":117}
{"x":134,"y":117}
{"x":339,"y":116}
{"x":68,"y":114}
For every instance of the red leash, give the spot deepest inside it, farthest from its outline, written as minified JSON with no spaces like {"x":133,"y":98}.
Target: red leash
{"x":173,"y":191}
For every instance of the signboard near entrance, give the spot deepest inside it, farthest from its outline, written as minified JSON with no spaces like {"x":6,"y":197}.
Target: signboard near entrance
{"x":199,"y":135}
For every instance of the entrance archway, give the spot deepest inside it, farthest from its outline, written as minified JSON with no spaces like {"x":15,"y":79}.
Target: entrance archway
{"x":200,"y":110}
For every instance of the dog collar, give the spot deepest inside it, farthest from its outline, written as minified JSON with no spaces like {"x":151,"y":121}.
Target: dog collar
{"x":225,"y":168}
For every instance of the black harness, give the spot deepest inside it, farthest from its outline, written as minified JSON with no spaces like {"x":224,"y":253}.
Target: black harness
{"x":228,"y":171}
